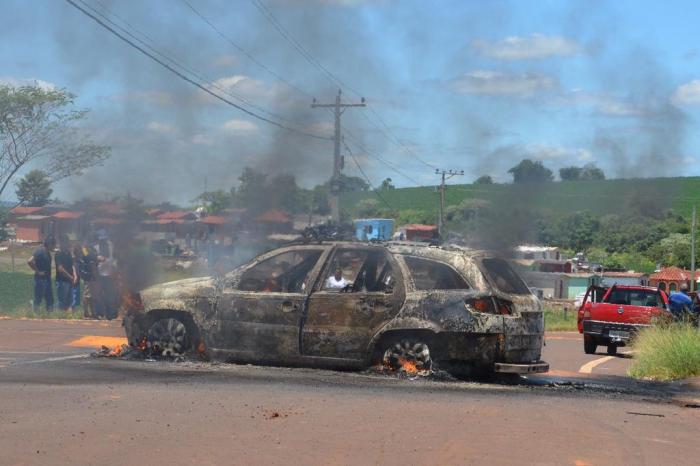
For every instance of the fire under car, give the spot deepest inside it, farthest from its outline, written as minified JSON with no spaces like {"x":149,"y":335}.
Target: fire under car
{"x":351,"y":305}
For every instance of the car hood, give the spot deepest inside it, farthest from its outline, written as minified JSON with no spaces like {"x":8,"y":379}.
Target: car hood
{"x":179,"y":289}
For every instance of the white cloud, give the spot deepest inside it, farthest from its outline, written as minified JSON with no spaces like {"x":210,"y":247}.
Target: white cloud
{"x":531,"y":47}
{"x":202,"y":140}
{"x":149,"y":97}
{"x":16,"y":82}
{"x":497,"y":83}
{"x":237,"y":125}
{"x":604,"y":104}
{"x":159,"y":127}
{"x":556,"y":152}
{"x":687,"y":94}
{"x":244,"y":85}
{"x":225,"y":60}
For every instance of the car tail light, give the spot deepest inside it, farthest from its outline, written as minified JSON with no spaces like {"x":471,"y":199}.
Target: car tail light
{"x":587,"y":313}
{"x":489,"y":306}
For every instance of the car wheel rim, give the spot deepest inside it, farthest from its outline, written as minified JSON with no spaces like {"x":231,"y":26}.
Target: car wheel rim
{"x":167,"y":337}
{"x":408,"y":356}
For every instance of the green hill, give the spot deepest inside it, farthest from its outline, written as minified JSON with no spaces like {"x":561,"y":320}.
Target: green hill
{"x":598,"y":197}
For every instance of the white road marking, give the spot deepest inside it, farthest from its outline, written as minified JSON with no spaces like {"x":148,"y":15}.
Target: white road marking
{"x":589,"y":366}
{"x":62,"y":358}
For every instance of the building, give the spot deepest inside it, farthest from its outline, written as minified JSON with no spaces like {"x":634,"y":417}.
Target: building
{"x":625,"y":278}
{"x":559,"y":285}
{"x":417,"y":232}
{"x":33,"y":228}
{"x":368,"y":229}
{"x":543,"y":253}
{"x":274,"y":221}
{"x":69,"y":223}
{"x":671,"y":279}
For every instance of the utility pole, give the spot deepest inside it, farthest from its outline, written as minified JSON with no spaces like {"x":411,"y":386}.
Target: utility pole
{"x":445,"y":175}
{"x":338,"y":109}
{"x":692,"y":251}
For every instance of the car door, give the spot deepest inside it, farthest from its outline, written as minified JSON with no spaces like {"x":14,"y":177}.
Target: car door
{"x":341,"y":322}
{"x":260,"y":315}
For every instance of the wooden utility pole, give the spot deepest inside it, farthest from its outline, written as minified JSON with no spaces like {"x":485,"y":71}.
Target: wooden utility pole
{"x":338,"y":109}
{"x":692,"y":251}
{"x":445,"y":175}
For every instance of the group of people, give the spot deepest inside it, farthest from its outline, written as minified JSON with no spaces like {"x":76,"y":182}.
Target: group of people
{"x":85,"y":274}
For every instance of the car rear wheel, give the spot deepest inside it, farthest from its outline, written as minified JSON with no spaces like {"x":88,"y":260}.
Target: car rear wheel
{"x":167,"y":337}
{"x":612,"y":350}
{"x":589,"y":344}
{"x":408,"y":355}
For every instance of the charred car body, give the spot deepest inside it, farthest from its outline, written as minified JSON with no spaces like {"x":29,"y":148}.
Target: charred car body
{"x":350,"y":305}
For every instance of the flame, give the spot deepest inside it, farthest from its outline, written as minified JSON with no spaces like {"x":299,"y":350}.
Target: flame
{"x":408,"y":366}
{"x":116,"y":351}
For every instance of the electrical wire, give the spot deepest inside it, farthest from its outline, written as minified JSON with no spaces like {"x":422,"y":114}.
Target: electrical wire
{"x":186,"y":78}
{"x":369,"y":182}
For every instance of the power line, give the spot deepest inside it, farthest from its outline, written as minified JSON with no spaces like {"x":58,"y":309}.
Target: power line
{"x":250,"y":56}
{"x":374,"y":190}
{"x":182,"y":76}
{"x":386,"y":132}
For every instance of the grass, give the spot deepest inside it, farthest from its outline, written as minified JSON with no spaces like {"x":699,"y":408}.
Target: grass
{"x":16,"y":292}
{"x":558,"y":321}
{"x":598,"y":197}
{"x":667,"y":352}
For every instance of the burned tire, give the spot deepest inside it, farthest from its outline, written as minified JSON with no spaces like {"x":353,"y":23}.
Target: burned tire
{"x":612,"y":350}
{"x":589,"y":345}
{"x":167,"y":337}
{"x":407,"y":355}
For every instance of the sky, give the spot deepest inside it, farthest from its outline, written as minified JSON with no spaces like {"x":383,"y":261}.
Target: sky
{"x":463,"y":85}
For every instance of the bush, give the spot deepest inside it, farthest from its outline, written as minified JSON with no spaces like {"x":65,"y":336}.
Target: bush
{"x":557,"y":321}
{"x":667,"y":352}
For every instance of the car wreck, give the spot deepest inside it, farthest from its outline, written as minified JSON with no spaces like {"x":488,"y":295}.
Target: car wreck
{"x":406,"y":306}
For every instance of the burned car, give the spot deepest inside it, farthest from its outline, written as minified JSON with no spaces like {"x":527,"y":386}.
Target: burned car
{"x":351,"y":305}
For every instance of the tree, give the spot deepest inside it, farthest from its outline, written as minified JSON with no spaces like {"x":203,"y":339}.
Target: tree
{"x":39,"y":124}
{"x":570,"y":173}
{"x":4,"y":218}
{"x":484,"y":179}
{"x":350,"y":184}
{"x":591,"y":172}
{"x":386,"y":185}
{"x":34,"y":190}
{"x":528,"y":171}
{"x":367,"y":208}
{"x":249,"y":193}
{"x":214,"y":201}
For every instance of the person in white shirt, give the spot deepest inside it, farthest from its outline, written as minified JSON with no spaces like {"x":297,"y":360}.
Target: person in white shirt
{"x":336,"y":281}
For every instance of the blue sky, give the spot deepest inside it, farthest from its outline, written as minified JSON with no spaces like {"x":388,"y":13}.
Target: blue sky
{"x":465,"y":85}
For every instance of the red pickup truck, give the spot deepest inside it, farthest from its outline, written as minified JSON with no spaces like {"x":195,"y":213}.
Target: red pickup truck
{"x":610,"y":317}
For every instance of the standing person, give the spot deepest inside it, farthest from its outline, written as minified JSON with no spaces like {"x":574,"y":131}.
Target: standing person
{"x":75,"y":289}
{"x":65,"y":274}
{"x":679,"y":303}
{"x":105,"y":277}
{"x":87,"y":272}
{"x":40,"y":263}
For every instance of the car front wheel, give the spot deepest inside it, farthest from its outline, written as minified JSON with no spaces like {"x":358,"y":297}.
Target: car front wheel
{"x":167,"y":337}
{"x":407,"y":355}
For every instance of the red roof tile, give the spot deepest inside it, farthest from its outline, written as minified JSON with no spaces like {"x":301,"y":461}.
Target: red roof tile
{"x":176,"y":215}
{"x":274,"y":216}
{"x":673,"y":274}
{"x":68,"y":215}
{"x":214,"y":220}
{"x":23,"y":210}
{"x":420,"y":227}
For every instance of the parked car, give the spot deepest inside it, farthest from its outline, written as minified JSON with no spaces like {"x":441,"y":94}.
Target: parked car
{"x":611,"y":316}
{"x":349,"y":304}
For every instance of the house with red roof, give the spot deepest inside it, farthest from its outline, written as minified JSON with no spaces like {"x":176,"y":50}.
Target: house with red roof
{"x":671,"y":278}
{"x":70,"y":223}
{"x":274,"y":221}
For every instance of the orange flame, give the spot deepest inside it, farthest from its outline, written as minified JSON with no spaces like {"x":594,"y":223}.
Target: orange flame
{"x":408,"y":367}
{"x":116,"y":351}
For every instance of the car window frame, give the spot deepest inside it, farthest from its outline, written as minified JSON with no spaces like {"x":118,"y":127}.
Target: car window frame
{"x":319,"y":285}
{"x":449,"y":266}
{"x":313,"y":273}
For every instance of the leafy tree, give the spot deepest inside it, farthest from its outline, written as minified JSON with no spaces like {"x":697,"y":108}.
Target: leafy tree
{"x":214,"y":201}
{"x":673,"y":250}
{"x":484,"y":179}
{"x":368,"y":208}
{"x":349,"y":184}
{"x":574,"y":231}
{"x":34,"y":190}
{"x":250,"y":191}
{"x":591,"y":172}
{"x":283,"y":193}
{"x":4,"y":218}
{"x":387,"y":185}
{"x":38,"y":124}
{"x":528,"y":171}
{"x":570,"y":173}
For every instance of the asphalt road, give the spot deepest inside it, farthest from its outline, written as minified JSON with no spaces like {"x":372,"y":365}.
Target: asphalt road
{"x":60,"y":406}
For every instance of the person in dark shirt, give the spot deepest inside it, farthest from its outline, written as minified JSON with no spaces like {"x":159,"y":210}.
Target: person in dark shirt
{"x":87,"y":271}
{"x":65,"y":275}
{"x":40,"y":263}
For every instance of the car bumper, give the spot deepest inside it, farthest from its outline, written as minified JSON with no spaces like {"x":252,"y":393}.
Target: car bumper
{"x":611,"y":331}
{"x":534,"y":368}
